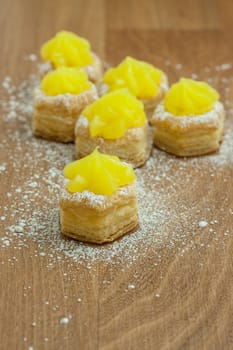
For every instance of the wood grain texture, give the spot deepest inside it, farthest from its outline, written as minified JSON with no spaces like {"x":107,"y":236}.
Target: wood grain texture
{"x":184,"y":301}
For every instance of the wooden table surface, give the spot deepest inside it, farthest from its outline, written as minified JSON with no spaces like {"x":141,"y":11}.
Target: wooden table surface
{"x":170,"y":291}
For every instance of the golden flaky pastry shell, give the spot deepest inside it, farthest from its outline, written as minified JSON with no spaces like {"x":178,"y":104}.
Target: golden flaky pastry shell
{"x":54,"y":117}
{"x":134,"y":147}
{"x":96,"y":218}
{"x":188,"y":135}
{"x":95,"y":70}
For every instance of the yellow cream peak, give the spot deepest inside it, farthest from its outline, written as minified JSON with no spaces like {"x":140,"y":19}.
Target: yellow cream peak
{"x":98,"y":173}
{"x":141,"y":78}
{"x":67,"y":49}
{"x":190,"y":97}
{"x":65,"y":80}
{"x":113,"y":114}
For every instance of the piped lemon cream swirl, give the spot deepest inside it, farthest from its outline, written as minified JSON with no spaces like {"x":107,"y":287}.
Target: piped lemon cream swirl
{"x":67,"y":49}
{"x":141,"y":78}
{"x":190,"y":97}
{"x":113,"y":114}
{"x":64,"y":80}
{"x":98,"y":173}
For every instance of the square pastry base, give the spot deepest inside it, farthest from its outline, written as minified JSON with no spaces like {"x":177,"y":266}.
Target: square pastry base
{"x":189,"y":135}
{"x":54,"y":117}
{"x":134,"y":147}
{"x":96,"y":218}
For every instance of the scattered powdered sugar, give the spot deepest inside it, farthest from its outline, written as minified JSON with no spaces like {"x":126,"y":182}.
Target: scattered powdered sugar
{"x":183,"y":121}
{"x":2,"y":167}
{"x":67,"y":100}
{"x":5,"y":242}
{"x":224,"y":66}
{"x":194,"y":76}
{"x":97,"y":201}
{"x":31,"y":57}
{"x":65,"y":320}
{"x":202,"y":223}
{"x":93,"y":200}
{"x":131,"y":286}
{"x":178,"y":66}
{"x":6,"y":84}
{"x":31,"y":209}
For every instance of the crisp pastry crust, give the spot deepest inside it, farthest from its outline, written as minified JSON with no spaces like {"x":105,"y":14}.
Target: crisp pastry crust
{"x":134,"y":147}
{"x":188,"y":135}
{"x":95,"y":70}
{"x":55,"y":116}
{"x":96,"y":218}
{"x":149,"y":103}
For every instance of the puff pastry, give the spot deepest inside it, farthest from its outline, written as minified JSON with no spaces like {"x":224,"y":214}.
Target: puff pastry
{"x":55,"y":116}
{"x":96,"y":218}
{"x":188,"y":135}
{"x":134,"y":147}
{"x":95,"y":70}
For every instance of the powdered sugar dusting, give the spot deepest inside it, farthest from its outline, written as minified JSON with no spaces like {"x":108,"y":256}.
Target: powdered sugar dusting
{"x":68,"y":100}
{"x":209,"y":117}
{"x":97,"y":201}
{"x":202,"y":223}
{"x":31,"y":210}
{"x":92,"y":199}
{"x":65,"y":320}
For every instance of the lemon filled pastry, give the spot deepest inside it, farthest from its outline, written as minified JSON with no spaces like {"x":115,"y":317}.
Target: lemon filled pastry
{"x":58,"y":101}
{"x":147,"y":83}
{"x":117,"y":124}
{"x":190,"y":122}
{"x":99,"y":202}
{"x":67,"y":49}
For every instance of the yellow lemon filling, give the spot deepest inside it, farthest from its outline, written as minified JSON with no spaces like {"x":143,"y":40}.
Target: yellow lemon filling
{"x":67,"y":49}
{"x":98,"y":173}
{"x":141,"y":78}
{"x":65,"y":80}
{"x":113,"y":114}
{"x":190,"y":97}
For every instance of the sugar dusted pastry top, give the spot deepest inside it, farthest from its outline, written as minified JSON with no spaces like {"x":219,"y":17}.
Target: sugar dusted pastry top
{"x":98,"y":173}
{"x":189,"y":98}
{"x":114,"y":113}
{"x":184,"y":123}
{"x":67,"y":49}
{"x":65,"y":80}
{"x":141,"y":78}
